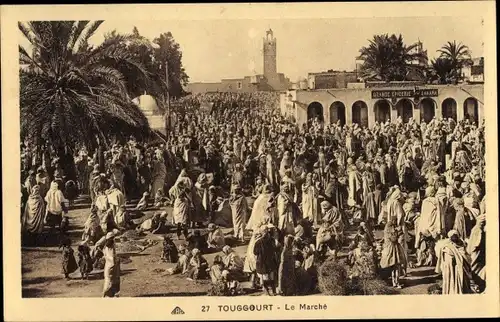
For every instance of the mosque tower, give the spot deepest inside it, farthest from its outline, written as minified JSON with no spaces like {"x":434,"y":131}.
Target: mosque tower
{"x":270,"y":68}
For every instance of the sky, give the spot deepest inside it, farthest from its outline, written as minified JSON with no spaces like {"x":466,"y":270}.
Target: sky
{"x":218,"y":49}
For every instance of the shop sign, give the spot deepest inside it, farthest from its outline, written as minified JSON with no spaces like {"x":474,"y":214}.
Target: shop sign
{"x":404,"y":93}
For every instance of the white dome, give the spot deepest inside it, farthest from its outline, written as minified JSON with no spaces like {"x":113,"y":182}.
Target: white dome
{"x":146,"y":103}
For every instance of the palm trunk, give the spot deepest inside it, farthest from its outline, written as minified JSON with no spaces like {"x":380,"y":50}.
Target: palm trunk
{"x":67,"y":162}
{"x":100,"y":157}
{"x":47,"y":161}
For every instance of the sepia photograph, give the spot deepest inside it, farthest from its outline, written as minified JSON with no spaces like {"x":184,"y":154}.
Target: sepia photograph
{"x":253,"y":159}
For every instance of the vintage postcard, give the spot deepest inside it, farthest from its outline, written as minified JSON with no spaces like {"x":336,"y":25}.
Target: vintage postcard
{"x":250,"y":161}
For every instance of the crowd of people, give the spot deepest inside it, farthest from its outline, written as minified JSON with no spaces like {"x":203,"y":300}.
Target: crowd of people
{"x":314,"y":187}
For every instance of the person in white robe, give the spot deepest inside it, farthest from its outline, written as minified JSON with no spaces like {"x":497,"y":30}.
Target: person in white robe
{"x":259,"y":209}
{"x":111,"y":287}
{"x":232,"y":263}
{"x":286,"y":208}
{"x":215,"y":237}
{"x":429,"y":221}
{"x":271,"y":175}
{"x":116,"y":198}
{"x":239,"y":209}
{"x":355,"y":186}
{"x":310,"y":201}
{"x":118,"y":176}
{"x":182,"y":207}
{"x":249,"y":265}
{"x":476,"y":247}
{"x":200,"y":197}
{"x":286,"y":163}
{"x":454,"y":264}
{"x":334,"y":217}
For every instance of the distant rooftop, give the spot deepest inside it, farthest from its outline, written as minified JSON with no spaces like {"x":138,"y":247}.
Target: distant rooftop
{"x":333,"y":72}
{"x":478,"y":61}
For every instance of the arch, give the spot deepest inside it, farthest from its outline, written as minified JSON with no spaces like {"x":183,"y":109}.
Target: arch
{"x":337,"y":113}
{"x":360,"y":113}
{"x":449,"y":108}
{"x":405,"y":109}
{"x":471,"y":110}
{"x":315,"y":110}
{"x":427,"y":109}
{"x":382,"y":111}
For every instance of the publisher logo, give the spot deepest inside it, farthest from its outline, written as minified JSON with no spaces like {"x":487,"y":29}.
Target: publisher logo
{"x":177,"y":310}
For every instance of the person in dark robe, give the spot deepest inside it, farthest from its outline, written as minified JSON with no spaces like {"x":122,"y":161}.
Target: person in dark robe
{"x":69,"y":264}
{"x":392,"y":172}
{"x":304,"y":231}
{"x":85,"y":261}
{"x":143,"y":176}
{"x":202,"y":156}
{"x":393,"y":254}
{"x":335,"y":193}
{"x":464,"y":220}
{"x":265,"y":252}
{"x":197,"y":266}
{"x":383,"y":175}
{"x":130,"y":176}
{"x":442,"y":152}
{"x":453,"y":190}
{"x":373,"y":205}
{"x":71,"y":191}
{"x":59,"y":179}
{"x":196,"y":240}
{"x":287,"y":284}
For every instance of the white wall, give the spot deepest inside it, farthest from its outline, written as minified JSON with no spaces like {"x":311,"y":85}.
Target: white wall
{"x":349,"y":96}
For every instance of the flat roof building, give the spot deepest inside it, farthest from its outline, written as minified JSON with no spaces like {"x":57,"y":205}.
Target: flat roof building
{"x":331,"y":79}
{"x":368,"y":103}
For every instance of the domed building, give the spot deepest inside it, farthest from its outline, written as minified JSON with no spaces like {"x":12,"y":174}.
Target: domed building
{"x":148,"y":105}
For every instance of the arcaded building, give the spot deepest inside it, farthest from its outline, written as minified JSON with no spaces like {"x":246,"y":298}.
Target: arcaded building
{"x":367,"y":103}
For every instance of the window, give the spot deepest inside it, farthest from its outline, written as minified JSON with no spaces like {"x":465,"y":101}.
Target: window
{"x":477,"y":70}
{"x":240,"y":85}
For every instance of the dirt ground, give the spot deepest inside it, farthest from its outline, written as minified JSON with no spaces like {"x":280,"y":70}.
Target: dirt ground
{"x":142,"y":274}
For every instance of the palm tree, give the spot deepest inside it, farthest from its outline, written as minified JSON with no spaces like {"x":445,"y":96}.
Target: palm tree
{"x":387,"y":58}
{"x":70,"y":93}
{"x":442,"y":71}
{"x":458,"y":54}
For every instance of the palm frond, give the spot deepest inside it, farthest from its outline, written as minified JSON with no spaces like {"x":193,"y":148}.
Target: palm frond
{"x":76,"y":33}
{"x":84,"y":41}
{"x":27,"y":33}
{"x":70,"y":96}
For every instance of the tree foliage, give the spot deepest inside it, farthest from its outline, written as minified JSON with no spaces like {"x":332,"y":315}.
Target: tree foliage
{"x":442,"y":71}
{"x":457,"y":53}
{"x":169,"y":50}
{"x":453,"y":57}
{"x":388,"y":58}
{"x":71,"y":92}
{"x":153,"y":55}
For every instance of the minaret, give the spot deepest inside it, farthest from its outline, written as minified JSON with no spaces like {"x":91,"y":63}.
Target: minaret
{"x":270,"y":69}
